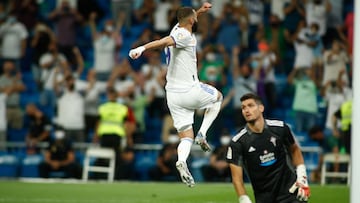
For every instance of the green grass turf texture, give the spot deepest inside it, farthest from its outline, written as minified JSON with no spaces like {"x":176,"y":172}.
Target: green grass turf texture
{"x":142,"y":192}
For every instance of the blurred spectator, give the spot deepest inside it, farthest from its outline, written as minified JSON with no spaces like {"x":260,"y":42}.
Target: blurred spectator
{"x":13,"y":36}
{"x":335,"y":93}
{"x":176,"y":4}
{"x":154,"y":75}
{"x":144,"y":13}
{"x":218,"y":169}
{"x":60,"y":157}
{"x":43,"y":36}
{"x":26,"y":12}
{"x":122,"y":6}
{"x":243,"y":82}
{"x":92,"y":90}
{"x":60,"y":74}
{"x":105,"y":43}
{"x":66,"y":20}
{"x":111,"y":126}
{"x":275,"y":35}
{"x":53,"y":68}
{"x":161,"y":20}
{"x":213,"y":64}
{"x":335,"y":19}
{"x":165,"y":169}
{"x":227,"y":28}
{"x":305,"y":109}
{"x":328,"y":144}
{"x":70,"y":111}
{"x":317,"y":12}
{"x":317,"y":46}
{"x":216,"y":9}
{"x":38,"y":130}
{"x":304,"y":52}
{"x":138,"y":103}
{"x":277,"y":8}
{"x":264,"y":62}
{"x":255,"y":9}
{"x":294,"y":13}
{"x":123,"y":80}
{"x":344,"y":115}
{"x":335,"y":60}
{"x":3,"y":120}
{"x":11,"y":85}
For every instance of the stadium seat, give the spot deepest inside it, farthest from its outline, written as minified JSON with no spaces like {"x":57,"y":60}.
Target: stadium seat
{"x":99,"y":152}
{"x":331,"y":158}
{"x":29,"y":166}
{"x":143,"y":162}
{"x":9,"y":165}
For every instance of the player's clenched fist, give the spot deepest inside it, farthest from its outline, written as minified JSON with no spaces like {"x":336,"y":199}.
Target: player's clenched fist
{"x":136,"y":53}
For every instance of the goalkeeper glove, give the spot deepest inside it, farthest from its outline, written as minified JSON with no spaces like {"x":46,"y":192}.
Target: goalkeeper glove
{"x":301,"y":184}
{"x":244,"y":199}
{"x":136,"y":53}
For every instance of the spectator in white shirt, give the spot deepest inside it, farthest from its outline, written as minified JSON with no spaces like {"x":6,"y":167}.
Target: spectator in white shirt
{"x":13,"y":35}
{"x":335,"y":60}
{"x":105,"y":43}
{"x":71,"y":112}
{"x":317,"y":12}
{"x":53,"y":64}
{"x":92,"y":90}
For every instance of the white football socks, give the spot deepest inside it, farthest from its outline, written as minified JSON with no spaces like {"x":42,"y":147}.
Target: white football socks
{"x":184,"y":148}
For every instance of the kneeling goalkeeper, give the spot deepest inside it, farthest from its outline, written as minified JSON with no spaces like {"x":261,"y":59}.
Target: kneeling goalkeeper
{"x":267,"y":151}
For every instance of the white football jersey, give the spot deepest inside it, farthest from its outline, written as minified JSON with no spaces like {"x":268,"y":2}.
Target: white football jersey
{"x":181,"y":60}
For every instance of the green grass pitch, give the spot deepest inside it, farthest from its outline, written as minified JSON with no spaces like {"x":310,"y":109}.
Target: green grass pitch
{"x":141,"y":192}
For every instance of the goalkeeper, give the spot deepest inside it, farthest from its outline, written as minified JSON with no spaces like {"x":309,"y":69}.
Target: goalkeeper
{"x":267,"y":151}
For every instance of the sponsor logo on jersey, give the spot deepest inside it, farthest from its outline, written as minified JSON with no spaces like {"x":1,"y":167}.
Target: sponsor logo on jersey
{"x":252,"y":149}
{"x":267,"y":159}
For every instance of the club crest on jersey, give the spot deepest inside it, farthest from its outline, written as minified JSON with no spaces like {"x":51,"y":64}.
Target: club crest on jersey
{"x":273,"y":140}
{"x":267,"y":159}
{"x":180,"y":36}
{"x":252,"y":149}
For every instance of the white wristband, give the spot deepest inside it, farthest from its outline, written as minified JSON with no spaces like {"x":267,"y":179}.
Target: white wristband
{"x":244,"y":199}
{"x":301,"y":170}
{"x":141,"y":49}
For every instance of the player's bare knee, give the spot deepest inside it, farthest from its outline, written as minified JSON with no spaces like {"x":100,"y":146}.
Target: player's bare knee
{"x":184,"y":128}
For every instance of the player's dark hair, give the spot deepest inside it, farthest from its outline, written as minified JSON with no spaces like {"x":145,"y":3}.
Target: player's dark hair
{"x":184,"y":12}
{"x":251,"y":96}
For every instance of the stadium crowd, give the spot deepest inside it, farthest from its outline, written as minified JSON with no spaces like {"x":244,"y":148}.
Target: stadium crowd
{"x":59,"y":57}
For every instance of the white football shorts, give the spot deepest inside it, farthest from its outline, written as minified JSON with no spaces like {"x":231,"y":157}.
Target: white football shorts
{"x":182,"y":105}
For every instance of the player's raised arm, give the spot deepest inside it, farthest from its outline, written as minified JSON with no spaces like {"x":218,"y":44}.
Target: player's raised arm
{"x":204,"y":8}
{"x":161,"y":43}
